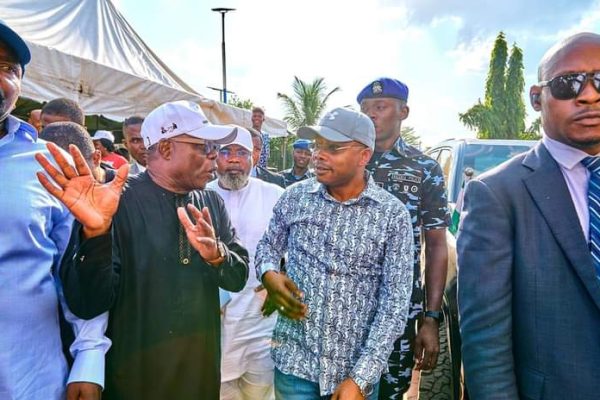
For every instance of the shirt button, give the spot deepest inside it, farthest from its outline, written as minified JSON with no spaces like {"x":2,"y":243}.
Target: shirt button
{"x":185,"y":261}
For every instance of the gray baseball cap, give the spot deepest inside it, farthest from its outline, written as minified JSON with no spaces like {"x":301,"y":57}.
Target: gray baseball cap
{"x":342,"y":125}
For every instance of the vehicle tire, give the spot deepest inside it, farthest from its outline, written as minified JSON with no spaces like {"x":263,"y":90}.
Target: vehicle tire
{"x":437,"y":383}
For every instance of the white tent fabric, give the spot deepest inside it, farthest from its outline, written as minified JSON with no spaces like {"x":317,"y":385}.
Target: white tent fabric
{"x":86,"y":51}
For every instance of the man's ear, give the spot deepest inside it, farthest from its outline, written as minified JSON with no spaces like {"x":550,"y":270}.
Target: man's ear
{"x":365,"y":156}
{"x":534,"y":97}
{"x":165,"y":149}
{"x":404,"y":111}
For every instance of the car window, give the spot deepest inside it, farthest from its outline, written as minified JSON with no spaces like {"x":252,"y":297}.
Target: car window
{"x":482,"y":157}
{"x":445,"y":160}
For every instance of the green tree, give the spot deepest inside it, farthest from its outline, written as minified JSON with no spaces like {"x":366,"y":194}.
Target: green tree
{"x":495,"y":83}
{"x":502,"y":113}
{"x":534,"y":130}
{"x":236,"y":101}
{"x":409,"y":136}
{"x":279,"y":146}
{"x":513,"y":99}
{"x":307,"y":103}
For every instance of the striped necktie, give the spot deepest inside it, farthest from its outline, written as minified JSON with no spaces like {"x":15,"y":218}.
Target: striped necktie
{"x":593,"y":165}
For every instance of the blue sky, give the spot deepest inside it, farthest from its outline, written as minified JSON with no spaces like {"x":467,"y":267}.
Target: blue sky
{"x":439,"y":48}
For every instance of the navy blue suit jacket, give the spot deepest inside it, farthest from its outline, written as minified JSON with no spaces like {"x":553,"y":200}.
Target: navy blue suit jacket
{"x":529,"y":299}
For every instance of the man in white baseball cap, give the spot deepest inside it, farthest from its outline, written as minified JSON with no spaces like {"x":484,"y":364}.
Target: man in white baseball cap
{"x":140,"y":256}
{"x":183,"y":118}
{"x":246,"y":365}
{"x":104,"y":142}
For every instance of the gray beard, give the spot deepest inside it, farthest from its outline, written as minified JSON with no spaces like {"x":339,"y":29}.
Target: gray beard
{"x":233,"y":182}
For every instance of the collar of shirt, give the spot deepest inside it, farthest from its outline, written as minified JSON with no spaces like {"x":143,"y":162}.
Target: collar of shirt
{"x":368,"y":193}
{"x":13,"y":125}
{"x":400,"y":147}
{"x":568,"y":157}
{"x":139,"y":166}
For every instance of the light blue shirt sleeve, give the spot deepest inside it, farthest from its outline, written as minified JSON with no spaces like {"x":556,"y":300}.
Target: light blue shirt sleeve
{"x":90,"y":345}
{"x":89,"y":348}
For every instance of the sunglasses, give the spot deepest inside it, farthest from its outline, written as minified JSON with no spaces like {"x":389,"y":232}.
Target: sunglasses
{"x":205,"y":147}
{"x":569,"y":86}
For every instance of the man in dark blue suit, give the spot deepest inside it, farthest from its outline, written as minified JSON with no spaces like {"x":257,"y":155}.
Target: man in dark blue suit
{"x":529,"y":287}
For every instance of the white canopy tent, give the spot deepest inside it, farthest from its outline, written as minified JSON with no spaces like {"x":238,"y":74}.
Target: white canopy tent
{"x":86,"y":51}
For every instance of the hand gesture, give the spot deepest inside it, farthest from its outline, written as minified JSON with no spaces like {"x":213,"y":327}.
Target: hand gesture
{"x":427,"y":344}
{"x":283,"y":295}
{"x":201,"y":235}
{"x":91,"y":203}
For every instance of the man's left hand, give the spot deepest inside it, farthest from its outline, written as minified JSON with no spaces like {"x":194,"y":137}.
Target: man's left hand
{"x":83,"y":391}
{"x":427,"y":344}
{"x":347,"y":390}
{"x":201,"y":234}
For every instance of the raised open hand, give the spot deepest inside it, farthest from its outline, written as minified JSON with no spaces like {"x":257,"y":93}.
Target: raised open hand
{"x":91,"y":203}
{"x":201,"y":235}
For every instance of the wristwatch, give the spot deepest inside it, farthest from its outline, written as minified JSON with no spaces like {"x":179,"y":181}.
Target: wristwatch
{"x":366,"y":389}
{"x":222,"y":254}
{"x":436,"y":315}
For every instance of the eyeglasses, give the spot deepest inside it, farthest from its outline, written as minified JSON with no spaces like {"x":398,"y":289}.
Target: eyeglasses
{"x":205,"y":147}
{"x":9,"y":68}
{"x":330,"y":148}
{"x":239,"y":153}
{"x":569,"y":86}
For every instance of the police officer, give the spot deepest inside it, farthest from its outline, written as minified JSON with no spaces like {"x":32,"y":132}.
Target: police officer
{"x":418,"y":182}
{"x":299,"y":171}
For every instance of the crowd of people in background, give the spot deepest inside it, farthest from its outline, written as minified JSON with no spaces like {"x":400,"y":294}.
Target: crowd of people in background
{"x":178,"y":265}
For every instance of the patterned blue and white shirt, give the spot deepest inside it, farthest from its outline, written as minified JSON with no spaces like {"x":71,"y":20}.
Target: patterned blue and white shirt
{"x":353,"y":261}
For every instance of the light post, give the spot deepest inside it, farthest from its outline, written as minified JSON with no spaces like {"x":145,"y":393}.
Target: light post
{"x":223,"y":11}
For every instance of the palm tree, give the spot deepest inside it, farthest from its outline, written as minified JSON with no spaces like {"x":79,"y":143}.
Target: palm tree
{"x":307,"y":103}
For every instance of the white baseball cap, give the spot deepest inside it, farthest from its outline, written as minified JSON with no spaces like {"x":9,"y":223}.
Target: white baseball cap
{"x":243,"y":138}
{"x":103,"y":135}
{"x":183,"y":118}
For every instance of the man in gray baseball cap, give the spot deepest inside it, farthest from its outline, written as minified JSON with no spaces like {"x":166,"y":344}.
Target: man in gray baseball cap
{"x":344,"y":298}
{"x":342,"y":124}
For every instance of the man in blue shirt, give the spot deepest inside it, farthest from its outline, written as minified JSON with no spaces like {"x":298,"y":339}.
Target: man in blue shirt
{"x":37,"y":230}
{"x":344,"y":297}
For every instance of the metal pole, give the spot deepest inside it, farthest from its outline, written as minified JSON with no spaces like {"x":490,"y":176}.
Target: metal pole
{"x":223,"y":11}
{"x":223,"y":57}
{"x":284,"y":152}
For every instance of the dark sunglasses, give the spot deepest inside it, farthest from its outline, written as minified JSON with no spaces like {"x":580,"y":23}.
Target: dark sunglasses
{"x":569,"y":86}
